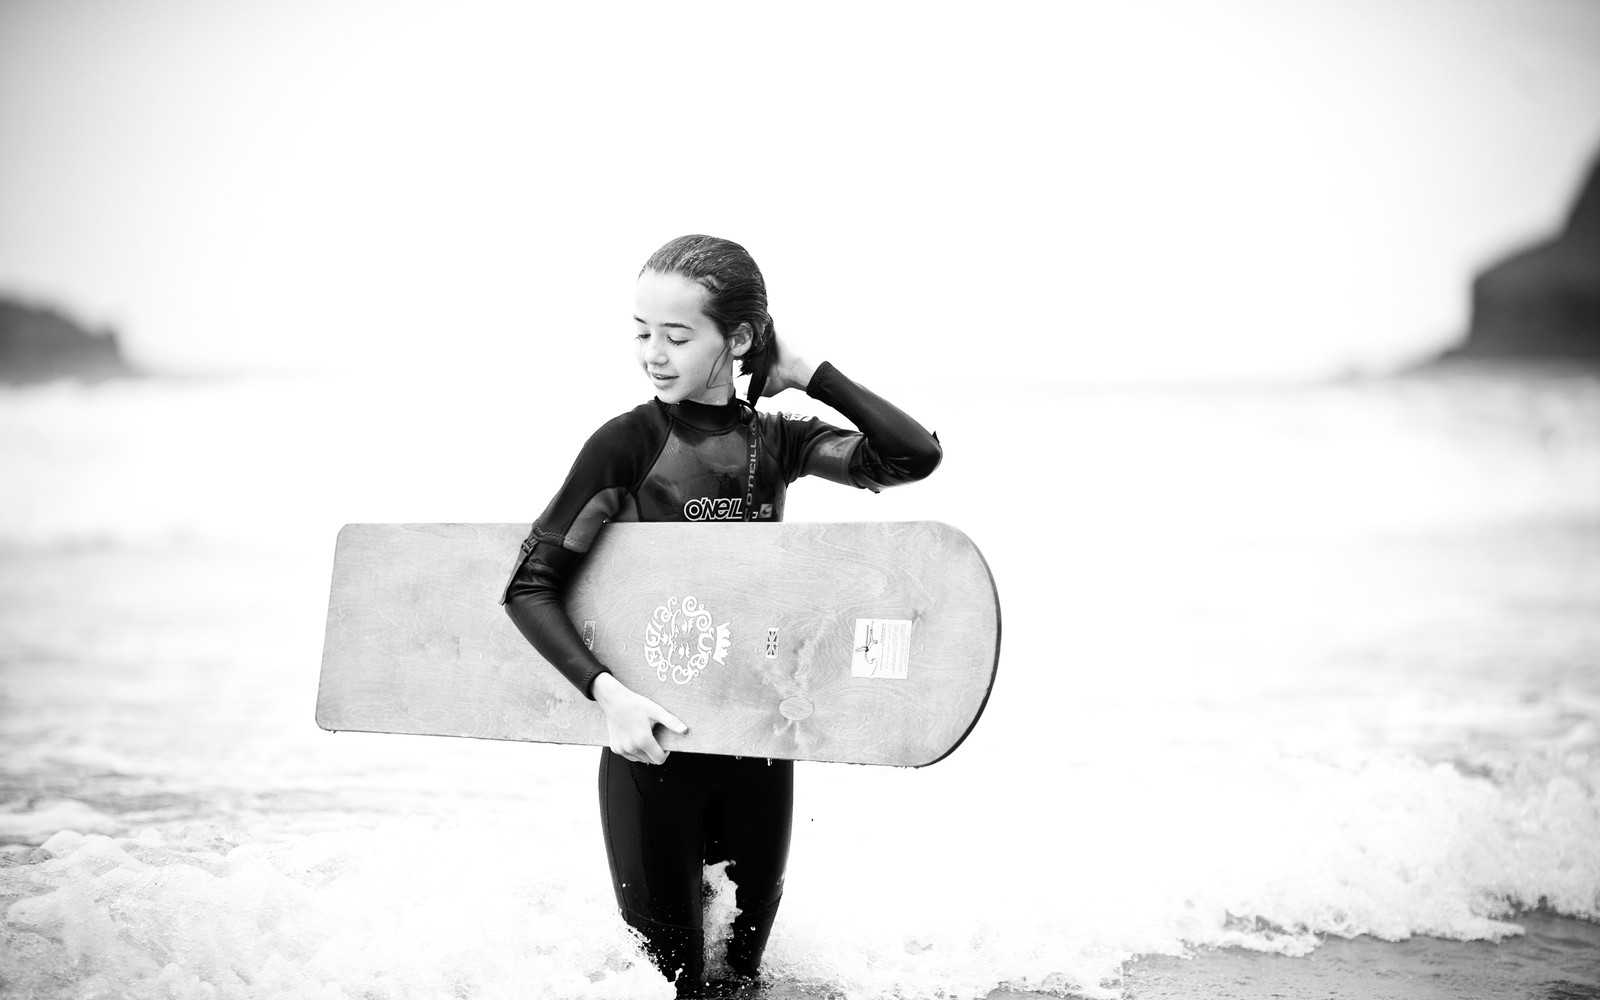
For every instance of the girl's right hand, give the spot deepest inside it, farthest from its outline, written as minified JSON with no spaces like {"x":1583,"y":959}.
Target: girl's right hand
{"x":631,"y":720}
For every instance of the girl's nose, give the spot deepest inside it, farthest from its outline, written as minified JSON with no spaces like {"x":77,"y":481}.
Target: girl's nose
{"x":654,"y":352}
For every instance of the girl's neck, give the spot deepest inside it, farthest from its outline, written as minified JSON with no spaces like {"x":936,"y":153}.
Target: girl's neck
{"x":722,"y":395}
{"x":710,"y":416}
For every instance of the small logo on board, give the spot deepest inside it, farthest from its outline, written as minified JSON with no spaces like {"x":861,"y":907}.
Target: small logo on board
{"x":680,"y":641}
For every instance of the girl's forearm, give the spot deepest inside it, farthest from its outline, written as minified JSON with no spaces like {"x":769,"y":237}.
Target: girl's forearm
{"x":897,"y":448}
{"x":534,"y":602}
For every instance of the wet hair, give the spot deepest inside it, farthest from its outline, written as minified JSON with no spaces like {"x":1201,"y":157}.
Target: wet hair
{"x":735,"y":291}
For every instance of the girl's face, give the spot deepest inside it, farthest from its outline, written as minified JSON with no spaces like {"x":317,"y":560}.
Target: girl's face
{"x":682,"y":352}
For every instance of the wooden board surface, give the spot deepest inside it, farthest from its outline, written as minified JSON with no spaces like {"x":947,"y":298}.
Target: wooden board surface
{"x":870,"y":642}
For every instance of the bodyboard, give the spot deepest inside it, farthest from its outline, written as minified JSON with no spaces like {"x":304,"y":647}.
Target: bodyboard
{"x":865,"y":642}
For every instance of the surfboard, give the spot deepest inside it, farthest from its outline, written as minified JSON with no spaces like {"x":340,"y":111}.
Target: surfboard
{"x":861,"y":642}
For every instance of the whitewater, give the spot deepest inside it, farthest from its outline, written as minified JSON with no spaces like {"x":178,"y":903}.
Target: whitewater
{"x":1281,"y":667}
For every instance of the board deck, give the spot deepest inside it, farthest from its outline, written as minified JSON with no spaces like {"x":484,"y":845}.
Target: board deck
{"x":862,"y":642}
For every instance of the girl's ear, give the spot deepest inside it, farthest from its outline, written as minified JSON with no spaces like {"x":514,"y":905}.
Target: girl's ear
{"x":740,"y":340}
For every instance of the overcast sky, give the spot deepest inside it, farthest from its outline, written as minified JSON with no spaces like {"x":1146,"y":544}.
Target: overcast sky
{"x":1049,"y":192}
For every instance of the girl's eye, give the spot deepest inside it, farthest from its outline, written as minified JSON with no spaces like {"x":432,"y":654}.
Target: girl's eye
{"x":645,"y":335}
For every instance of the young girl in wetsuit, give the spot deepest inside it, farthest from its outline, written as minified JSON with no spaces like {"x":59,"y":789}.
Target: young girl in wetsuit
{"x":700,"y":304}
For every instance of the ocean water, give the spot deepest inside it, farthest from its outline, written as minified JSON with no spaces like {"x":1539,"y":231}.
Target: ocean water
{"x":1286,"y":672}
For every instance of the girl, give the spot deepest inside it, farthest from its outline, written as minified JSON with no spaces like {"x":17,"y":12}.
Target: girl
{"x":699,"y":304}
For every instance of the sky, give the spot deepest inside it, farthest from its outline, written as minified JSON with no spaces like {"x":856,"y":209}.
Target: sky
{"x":1017,"y":193}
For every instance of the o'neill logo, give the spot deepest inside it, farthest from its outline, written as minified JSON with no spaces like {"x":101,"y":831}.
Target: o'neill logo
{"x":680,"y":641}
{"x":722,"y":509}
{"x":714,"y":509}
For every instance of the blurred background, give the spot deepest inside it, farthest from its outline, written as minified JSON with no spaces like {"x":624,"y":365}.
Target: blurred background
{"x":1141,"y":191}
{"x":1262,"y":339}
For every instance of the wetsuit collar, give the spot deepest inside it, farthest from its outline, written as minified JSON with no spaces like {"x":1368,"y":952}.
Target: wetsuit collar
{"x":705,"y":417}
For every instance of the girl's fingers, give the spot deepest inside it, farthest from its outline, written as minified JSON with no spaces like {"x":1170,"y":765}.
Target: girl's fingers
{"x":643,"y":748}
{"x":643,"y":753}
{"x":652,"y":751}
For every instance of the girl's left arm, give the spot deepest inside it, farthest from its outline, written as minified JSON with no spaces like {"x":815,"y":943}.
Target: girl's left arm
{"x":889,"y":449}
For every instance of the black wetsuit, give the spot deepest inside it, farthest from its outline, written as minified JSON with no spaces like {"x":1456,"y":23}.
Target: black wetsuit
{"x":693,"y":462}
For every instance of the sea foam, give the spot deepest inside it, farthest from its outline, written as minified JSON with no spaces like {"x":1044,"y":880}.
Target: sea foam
{"x":894,"y":890}
{"x":406,"y":910}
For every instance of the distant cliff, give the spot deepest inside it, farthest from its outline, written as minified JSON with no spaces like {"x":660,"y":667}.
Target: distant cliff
{"x":38,"y":345}
{"x":1543,"y":302}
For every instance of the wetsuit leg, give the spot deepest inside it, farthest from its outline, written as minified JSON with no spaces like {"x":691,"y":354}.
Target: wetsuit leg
{"x":655,"y":845}
{"x":749,"y":823}
{"x":662,"y":823}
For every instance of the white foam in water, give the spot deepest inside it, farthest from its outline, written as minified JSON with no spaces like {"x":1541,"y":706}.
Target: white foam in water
{"x":33,"y":821}
{"x":720,"y":911}
{"x":1118,"y":858}
{"x":408,"y":909}
{"x":1275,"y":667}
{"x":891,"y":894}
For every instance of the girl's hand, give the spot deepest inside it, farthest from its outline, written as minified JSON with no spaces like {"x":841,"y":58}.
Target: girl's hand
{"x":788,"y":369}
{"x":631,"y":720}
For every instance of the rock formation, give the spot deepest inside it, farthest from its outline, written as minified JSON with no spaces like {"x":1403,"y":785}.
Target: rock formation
{"x":1543,"y":302}
{"x":38,"y":345}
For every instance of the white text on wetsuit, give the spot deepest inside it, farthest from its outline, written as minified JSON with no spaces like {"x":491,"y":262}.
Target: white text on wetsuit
{"x":714,"y":509}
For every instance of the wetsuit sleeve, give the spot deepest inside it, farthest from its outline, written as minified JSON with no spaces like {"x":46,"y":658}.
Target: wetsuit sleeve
{"x":595,"y":490}
{"x":533,"y":600}
{"x":889,"y":449}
